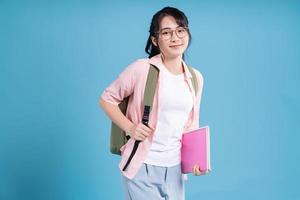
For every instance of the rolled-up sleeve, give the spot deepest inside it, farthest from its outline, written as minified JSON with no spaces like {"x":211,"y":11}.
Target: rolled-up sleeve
{"x":122,"y":87}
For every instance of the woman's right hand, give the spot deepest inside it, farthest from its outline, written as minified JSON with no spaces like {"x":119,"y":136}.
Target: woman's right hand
{"x":140,"y":132}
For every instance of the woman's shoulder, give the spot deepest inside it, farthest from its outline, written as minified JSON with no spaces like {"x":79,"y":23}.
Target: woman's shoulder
{"x":139,"y":64}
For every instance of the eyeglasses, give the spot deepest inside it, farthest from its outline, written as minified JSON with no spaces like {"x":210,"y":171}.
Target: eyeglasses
{"x":167,"y":33}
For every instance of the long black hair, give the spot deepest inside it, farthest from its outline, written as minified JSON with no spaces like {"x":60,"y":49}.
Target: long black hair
{"x":180,"y":19}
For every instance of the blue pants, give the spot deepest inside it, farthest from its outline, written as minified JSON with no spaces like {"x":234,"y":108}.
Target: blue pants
{"x":155,"y":183}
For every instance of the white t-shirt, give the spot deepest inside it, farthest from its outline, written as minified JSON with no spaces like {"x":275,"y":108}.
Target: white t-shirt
{"x":176,"y":104}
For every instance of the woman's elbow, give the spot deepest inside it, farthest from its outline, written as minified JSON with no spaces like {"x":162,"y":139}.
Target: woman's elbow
{"x":101,"y":103}
{"x":105,"y":105}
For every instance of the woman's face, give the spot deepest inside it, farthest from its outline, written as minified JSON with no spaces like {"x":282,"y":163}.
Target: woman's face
{"x":170,"y":44}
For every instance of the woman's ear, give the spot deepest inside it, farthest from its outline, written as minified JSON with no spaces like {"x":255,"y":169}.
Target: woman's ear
{"x":154,"y":41}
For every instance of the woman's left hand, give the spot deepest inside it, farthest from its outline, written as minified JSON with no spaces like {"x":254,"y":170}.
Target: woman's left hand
{"x":197,"y":171}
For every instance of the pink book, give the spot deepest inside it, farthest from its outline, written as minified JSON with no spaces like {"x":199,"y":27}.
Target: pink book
{"x":195,"y":150}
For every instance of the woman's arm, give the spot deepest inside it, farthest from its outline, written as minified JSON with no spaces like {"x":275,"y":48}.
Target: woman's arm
{"x":196,"y":169}
{"x":137,"y":131}
{"x":116,"y":115}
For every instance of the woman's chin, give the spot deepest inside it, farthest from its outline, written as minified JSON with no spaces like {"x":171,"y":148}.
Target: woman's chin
{"x":175,"y":54}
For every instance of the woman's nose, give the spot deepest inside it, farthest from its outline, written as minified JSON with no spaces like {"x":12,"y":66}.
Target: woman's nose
{"x":174,"y":36}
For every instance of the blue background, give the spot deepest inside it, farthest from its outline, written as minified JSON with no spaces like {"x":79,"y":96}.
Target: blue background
{"x":56,"y":59}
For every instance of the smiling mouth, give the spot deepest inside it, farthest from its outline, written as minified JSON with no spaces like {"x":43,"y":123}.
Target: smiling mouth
{"x":173,"y":46}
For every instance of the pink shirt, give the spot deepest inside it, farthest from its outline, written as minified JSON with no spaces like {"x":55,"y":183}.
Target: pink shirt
{"x":132,"y":82}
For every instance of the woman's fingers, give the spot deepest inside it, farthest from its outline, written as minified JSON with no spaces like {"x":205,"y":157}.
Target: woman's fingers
{"x":141,"y":132}
{"x":196,"y":170}
{"x":146,"y":131}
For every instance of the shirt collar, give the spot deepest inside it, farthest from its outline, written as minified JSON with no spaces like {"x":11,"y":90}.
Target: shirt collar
{"x":157,"y":61}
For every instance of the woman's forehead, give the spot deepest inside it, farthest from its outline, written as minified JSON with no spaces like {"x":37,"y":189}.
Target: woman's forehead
{"x":168,"y":22}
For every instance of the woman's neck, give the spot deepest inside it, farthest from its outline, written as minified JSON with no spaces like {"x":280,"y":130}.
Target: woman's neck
{"x":174,"y":65}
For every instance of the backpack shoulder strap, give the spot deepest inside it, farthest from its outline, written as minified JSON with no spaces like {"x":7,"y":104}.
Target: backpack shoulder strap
{"x":194,"y":79}
{"x":150,"y":86}
{"x":148,"y":101}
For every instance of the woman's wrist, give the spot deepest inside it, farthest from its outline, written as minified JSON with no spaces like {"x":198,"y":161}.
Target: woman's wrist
{"x":130,"y":128}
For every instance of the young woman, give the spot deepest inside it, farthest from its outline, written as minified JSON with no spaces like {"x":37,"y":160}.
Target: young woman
{"x":154,"y":172}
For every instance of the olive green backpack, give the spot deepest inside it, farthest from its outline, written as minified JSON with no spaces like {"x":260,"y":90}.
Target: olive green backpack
{"x":118,"y":136}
